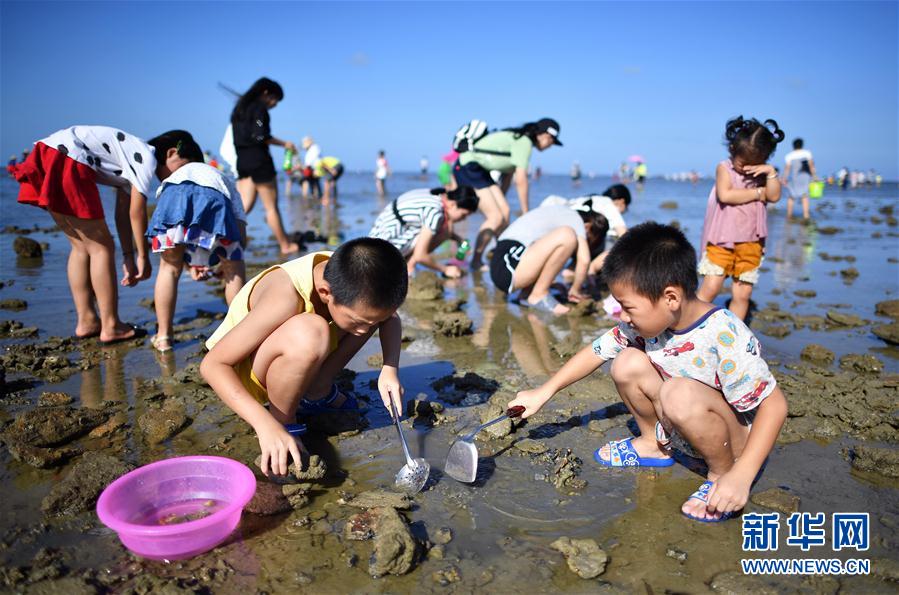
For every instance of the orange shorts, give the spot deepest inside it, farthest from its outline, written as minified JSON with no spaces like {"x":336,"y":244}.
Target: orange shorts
{"x":741,"y":262}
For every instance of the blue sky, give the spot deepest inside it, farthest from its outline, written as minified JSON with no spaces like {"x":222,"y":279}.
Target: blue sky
{"x":659,"y":79}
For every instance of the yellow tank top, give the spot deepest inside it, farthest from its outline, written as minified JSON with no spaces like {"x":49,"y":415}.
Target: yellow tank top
{"x":300,"y":272}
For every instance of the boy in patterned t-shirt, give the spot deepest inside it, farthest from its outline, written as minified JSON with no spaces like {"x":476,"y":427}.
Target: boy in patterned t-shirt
{"x":675,"y":358}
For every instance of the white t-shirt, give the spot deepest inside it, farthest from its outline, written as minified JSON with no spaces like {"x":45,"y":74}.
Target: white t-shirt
{"x":381,"y":168}
{"x":795,"y":158}
{"x":202,"y":174}
{"x":603,"y":205}
{"x":313,"y":154}
{"x":120,"y":160}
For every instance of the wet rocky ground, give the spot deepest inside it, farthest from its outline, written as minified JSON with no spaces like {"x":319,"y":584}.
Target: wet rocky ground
{"x":541,"y":514}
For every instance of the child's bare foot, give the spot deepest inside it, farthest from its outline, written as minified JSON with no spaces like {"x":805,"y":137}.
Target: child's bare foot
{"x":290,"y":248}
{"x":122,"y":332}
{"x":87,"y":330}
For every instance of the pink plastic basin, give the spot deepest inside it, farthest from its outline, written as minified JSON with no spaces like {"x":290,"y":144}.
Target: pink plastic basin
{"x":150,"y":507}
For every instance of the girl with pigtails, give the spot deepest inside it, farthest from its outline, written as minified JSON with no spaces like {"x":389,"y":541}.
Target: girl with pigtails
{"x":736,"y":218}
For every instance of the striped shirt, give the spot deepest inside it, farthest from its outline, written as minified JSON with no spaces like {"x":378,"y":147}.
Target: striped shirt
{"x":418,"y":209}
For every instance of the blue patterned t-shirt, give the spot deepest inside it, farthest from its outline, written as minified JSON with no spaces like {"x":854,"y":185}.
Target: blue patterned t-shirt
{"x":718,"y":350}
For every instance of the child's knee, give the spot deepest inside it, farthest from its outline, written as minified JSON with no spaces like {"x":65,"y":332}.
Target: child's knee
{"x":629,"y":364}
{"x":679,"y":400}
{"x":306,"y":339}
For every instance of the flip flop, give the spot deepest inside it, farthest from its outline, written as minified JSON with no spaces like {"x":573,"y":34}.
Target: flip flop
{"x":546,"y":304}
{"x":139,"y":333}
{"x":702,"y":494}
{"x":622,"y":454}
{"x":325,"y":404}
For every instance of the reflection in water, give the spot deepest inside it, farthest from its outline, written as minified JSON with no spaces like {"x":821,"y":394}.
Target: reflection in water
{"x":794,"y":251}
{"x":104,"y":382}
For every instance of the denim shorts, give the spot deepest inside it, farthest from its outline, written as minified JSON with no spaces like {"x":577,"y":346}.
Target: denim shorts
{"x":472,"y":174}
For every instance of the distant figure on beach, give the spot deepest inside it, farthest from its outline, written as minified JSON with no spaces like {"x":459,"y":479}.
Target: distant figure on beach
{"x":199,"y":222}
{"x":509,"y":152}
{"x":736,"y":220}
{"x":382,"y":170}
{"x":293,"y":327}
{"x":676,"y":359}
{"x":623,"y":175}
{"x":575,"y":173}
{"x":331,"y":169}
{"x":11,"y":164}
{"x":423,"y":166}
{"x":640,"y":171}
{"x":843,"y":177}
{"x":310,"y":181}
{"x":256,"y":173}
{"x":538,"y":173}
{"x":418,"y":221}
{"x":612,"y":203}
{"x":799,"y":171}
{"x":534,"y":249}
{"x":61,"y":176}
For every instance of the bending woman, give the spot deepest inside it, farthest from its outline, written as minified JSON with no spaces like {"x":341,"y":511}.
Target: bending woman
{"x":532,"y":252}
{"x":507,"y":151}
{"x":255,"y":168}
{"x":420,"y":220}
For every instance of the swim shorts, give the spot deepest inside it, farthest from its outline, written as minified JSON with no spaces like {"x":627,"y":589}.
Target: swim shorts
{"x":503,"y":263}
{"x":472,"y":174}
{"x":741,"y":262}
{"x":256,"y":163}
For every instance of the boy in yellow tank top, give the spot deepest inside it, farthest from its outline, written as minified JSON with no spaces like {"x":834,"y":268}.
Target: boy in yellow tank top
{"x":294,"y":326}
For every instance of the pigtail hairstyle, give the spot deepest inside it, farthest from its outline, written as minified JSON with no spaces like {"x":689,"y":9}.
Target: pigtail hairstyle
{"x":751,"y":140}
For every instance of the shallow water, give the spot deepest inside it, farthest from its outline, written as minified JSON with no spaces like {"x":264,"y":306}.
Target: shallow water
{"x":503,"y":524}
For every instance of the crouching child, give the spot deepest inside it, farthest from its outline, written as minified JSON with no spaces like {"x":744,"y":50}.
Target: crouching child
{"x":691,"y":373}
{"x":293,"y":327}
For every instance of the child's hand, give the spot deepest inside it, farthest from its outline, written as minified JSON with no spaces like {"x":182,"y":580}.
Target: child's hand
{"x":452,"y":272}
{"x":275,"y":444}
{"x":729,"y":493}
{"x":200,"y":273}
{"x":758,"y":170}
{"x":532,"y":400}
{"x":389,"y":384}
{"x":129,"y":270}
{"x":574,"y":296}
{"x":144,"y":268}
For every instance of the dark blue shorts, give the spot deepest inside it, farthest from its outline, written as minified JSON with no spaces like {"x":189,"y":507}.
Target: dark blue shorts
{"x":472,"y":174}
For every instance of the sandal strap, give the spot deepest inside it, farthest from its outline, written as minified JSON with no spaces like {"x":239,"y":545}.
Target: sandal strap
{"x":702,"y":494}
{"x":326,"y":400}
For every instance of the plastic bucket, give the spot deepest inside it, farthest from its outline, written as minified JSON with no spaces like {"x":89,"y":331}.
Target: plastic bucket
{"x":816,"y":189}
{"x":177,"y":508}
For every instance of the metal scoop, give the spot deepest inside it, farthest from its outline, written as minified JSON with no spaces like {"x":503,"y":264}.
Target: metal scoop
{"x":414,"y":474}
{"x":462,"y":460}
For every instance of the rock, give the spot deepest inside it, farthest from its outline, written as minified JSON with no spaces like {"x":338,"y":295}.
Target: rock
{"x":379,"y":499}
{"x":54,"y":399}
{"x":668,"y":204}
{"x":865,"y":364}
{"x":425,"y":286}
{"x":531,"y":446}
{"x":16,"y":330}
{"x":423,"y":409}
{"x":601,"y":426}
{"x":844,"y":319}
{"x":777,"y":499}
{"x":311,"y":468}
{"x":13,"y":304}
{"x":359,"y":527}
{"x":42,"y":458}
{"x":778,"y":331}
{"x":565,"y":469}
{"x":27,"y":248}
{"x":733,"y":582}
{"x":395,"y":550}
{"x":679,"y":555}
{"x":497,"y":430}
{"x":438,"y":552}
{"x":584,"y":557}
{"x":375,"y":361}
{"x":888,"y":332}
{"x":297,"y":495}
{"x":883,"y":461}
{"x":269,"y":499}
{"x":452,"y":324}
{"x":817,"y":354}
{"x":52,"y":426}
{"x":888,"y":308}
{"x":105,"y":429}
{"x":585,"y":307}
{"x":850,"y":273}
{"x":447,"y":576}
{"x":161,"y":424}
{"x":805,"y":293}
{"x":442,"y":536}
{"x":80,"y":489}
{"x":829,"y":230}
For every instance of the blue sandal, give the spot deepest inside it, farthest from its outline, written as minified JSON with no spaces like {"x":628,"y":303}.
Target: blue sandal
{"x":702,"y":494}
{"x":325,"y":404}
{"x":546,"y":304}
{"x":622,"y":454}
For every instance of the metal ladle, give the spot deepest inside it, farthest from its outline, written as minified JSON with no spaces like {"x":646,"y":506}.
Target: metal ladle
{"x":414,"y":474}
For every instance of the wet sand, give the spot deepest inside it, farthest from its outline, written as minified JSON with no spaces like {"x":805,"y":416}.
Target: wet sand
{"x":837,"y":453}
